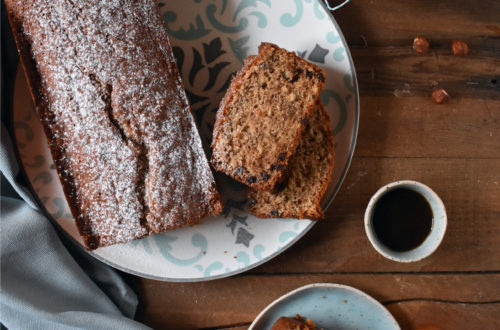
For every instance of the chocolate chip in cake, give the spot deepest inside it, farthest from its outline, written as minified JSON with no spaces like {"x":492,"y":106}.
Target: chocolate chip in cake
{"x":279,"y":187}
{"x":251,"y":179}
{"x":264,"y":176}
{"x":239,"y":170}
{"x":276,"y":167}
{"x":309,"y":74}
{"x":252,"y":202}
{"x":275,"y":213}
{"x":296,"y":74}
{"x":282,"y":156}
{"x":320,"y":76}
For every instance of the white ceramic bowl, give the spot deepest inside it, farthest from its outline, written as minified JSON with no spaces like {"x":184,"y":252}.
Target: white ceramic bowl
{"x":434,"y":238}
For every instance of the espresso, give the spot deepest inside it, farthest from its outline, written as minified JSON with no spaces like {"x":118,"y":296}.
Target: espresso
{"x":402,"y":219}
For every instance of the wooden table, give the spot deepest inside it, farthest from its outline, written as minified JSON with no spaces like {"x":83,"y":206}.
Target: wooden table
{"x":454,"y":148}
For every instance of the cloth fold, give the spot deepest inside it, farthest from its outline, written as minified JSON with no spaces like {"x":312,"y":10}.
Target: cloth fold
{"x":10,"y":168}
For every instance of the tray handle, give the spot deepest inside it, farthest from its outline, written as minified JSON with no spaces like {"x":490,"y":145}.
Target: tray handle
{"x":335,"y":7}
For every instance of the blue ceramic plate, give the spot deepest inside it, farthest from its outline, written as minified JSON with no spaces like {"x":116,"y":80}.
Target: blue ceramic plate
{"x":330,"y":306}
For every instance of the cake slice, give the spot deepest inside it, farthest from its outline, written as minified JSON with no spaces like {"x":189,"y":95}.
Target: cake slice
{"x":262,"y":116}
{"x":309,"y":172}
{"x":294,"y":323}
{"x":108,"y":93}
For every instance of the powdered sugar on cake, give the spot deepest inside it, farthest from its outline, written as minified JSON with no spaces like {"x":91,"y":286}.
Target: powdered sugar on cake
{"x":117,"y":117}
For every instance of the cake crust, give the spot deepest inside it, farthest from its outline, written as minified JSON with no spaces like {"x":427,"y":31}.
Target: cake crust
{"x":120,"y":130}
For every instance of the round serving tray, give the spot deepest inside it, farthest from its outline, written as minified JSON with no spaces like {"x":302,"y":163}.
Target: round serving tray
{"x":210,"y":40}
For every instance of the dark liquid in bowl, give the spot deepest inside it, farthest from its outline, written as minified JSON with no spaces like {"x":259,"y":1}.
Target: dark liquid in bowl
{"x":402,"y":219}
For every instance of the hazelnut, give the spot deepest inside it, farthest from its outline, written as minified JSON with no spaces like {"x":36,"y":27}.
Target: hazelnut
{"x":440,"y":96}
{"x":420,"y":45}
{"x":459,"y":48}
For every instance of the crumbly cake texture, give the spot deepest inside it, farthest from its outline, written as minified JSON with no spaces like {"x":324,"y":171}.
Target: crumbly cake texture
{"x":123,"y":139}
{"x":309,"y":172}
{"x":262,"y":116}
{"x":294,"y":323}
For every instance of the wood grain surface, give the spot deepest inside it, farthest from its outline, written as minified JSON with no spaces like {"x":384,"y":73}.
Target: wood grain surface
{"x":454,"y":148}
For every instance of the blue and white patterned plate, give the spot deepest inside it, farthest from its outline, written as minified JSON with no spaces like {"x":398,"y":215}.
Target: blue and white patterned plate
{"x":329,"y":306}
{"x":210,"y":39}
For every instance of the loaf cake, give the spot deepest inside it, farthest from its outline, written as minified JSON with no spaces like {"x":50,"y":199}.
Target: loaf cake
{"x":109,"y":96}
{"x":262,"y":116}
{"x":309,"y":172}
{"x":293,"y":323}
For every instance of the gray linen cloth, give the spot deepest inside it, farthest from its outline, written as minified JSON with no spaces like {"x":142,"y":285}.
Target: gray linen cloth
{"x":42,"y":285}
